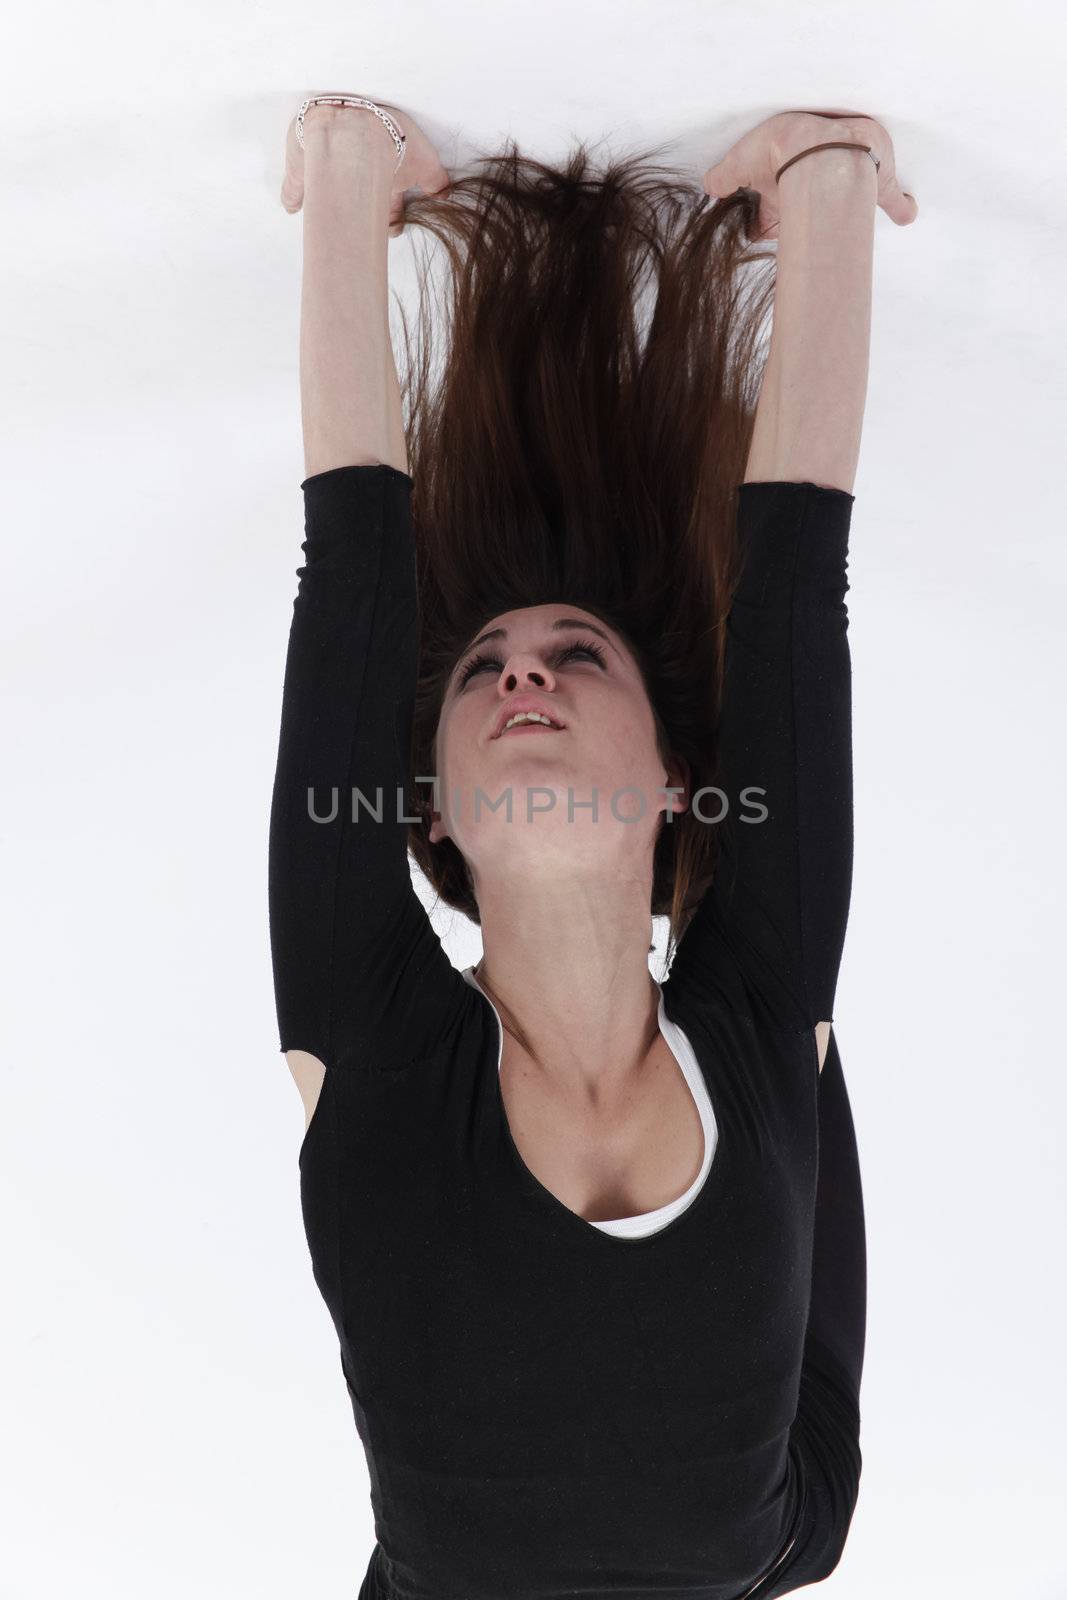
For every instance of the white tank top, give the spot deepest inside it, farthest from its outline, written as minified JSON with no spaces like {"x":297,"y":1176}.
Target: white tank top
{"x":652,"y":1221}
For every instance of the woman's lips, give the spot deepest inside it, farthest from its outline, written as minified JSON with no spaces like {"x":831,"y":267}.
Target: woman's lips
{"x":530,"y":727}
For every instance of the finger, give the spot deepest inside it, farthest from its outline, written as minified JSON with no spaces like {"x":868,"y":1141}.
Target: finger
{"x":721,"y":180}
{"x":711,"y":183}
{"x":437,"y":180}
{"x":766,"y":228}
{"x":292,"y":193}
{"x":903,"y":208}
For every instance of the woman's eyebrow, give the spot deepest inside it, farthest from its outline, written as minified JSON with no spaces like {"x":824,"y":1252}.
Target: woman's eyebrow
{"x":563,"y":622}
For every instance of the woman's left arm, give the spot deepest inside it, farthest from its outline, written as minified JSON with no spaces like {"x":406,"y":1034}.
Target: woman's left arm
{"x":809,"y":418}
{"x":778,"y":908}
{"x":822,"y":212}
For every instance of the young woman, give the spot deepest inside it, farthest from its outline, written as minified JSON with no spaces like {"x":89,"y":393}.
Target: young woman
{"x":593,"y":1243}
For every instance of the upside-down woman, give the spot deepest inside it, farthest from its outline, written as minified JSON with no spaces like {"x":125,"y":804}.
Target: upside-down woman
{"x":574,"y":639}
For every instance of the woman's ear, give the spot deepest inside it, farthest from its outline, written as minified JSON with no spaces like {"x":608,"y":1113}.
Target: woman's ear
{"x":437,"y":829}
{"x":679,"y":777}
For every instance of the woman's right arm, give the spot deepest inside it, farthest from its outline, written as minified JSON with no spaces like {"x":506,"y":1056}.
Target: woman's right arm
{"x":360,"y":976}
{"x":776,"y":912}
{"x":769,"y":932}
{"x":349,"y":391}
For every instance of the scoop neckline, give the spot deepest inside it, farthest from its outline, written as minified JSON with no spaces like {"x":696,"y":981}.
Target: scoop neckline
{"x":543,"y":1197}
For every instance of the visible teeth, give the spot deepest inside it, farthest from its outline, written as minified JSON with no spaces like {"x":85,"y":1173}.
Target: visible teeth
{"x":528,"y":716}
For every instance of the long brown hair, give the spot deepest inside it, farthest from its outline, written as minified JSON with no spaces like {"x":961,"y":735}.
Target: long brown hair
{"x":556,"y":455}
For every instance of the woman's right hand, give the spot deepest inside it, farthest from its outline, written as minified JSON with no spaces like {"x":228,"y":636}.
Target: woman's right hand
{"x":754,"y":160}
{"x":421,"y":167}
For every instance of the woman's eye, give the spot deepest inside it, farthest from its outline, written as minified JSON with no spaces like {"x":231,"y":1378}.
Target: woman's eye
{"x":580,"y":647}
{"x":478,"y":664}
{"x":591,"y":650}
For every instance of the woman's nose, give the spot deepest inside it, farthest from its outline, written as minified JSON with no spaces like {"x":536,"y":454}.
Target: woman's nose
{"x":525,"y":669}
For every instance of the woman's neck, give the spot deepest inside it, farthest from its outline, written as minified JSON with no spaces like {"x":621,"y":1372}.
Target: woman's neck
{"x":567,"y":967}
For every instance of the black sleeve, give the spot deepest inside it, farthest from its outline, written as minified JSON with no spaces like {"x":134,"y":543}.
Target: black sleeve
{"x":360,"y":976}
{"x":775,"y":915}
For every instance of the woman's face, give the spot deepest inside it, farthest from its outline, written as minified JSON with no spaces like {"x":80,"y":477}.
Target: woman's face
{"x":563,"y":661}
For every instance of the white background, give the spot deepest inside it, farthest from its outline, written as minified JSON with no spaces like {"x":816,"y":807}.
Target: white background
{"x":174,"y":1417}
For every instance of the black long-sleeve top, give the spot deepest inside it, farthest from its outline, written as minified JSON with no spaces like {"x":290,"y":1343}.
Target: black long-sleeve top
{"x":549,"y":1410}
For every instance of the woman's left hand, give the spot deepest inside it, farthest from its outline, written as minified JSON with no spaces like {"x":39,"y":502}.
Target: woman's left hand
{"x":421,"y":167}
{"x":753,"y":161}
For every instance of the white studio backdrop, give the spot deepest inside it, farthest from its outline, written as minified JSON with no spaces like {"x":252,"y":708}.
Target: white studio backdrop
{"x":173,"y":1414}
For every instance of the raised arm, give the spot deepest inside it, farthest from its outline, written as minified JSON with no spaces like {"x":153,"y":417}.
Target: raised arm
{"x":809,"y":419}
{"x":361,"y":980}
{"x":772,"y":924}
{"x":349,"y":390}
{"x":775,"y":916}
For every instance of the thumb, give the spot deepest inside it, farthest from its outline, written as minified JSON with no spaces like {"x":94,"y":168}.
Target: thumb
{"x":437,"y":180}
{"x":900,"y":206}
{"x":713,"y":180}
{"x":723,"y":180}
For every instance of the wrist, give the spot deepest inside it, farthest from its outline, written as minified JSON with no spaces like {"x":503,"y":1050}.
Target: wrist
{"x":349,"y":132}
{"x":830,"y":169}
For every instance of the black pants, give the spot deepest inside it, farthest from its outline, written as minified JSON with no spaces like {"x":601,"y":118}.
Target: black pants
{"x":828,"y":1419}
